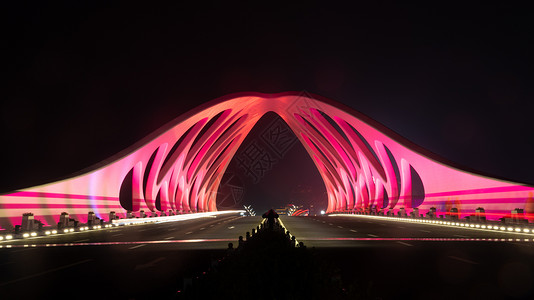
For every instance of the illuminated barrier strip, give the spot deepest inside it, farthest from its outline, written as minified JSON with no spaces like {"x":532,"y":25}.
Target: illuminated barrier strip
{"x":501,"y":228}
{"x":175,"y":218}
{"x":290,"y":235}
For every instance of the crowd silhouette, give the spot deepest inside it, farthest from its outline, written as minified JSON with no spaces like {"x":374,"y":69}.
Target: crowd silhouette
{"x":268,"y":264}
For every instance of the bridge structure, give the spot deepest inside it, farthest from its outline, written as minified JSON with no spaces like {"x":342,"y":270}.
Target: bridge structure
{"x":365,"y":167}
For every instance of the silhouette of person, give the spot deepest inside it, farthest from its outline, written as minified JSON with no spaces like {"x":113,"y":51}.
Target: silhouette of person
{"x":230,"y":249}
{"x":270,"y":216}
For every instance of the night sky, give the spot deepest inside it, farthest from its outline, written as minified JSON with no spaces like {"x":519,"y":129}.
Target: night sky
{"x":85,"y":81}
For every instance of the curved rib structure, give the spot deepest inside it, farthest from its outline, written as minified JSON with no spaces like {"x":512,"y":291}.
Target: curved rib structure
{"x":363,"y":164}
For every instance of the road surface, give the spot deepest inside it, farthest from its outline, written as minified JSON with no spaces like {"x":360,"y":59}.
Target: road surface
{"x":385,"y":259}
{"x":126,"y":262}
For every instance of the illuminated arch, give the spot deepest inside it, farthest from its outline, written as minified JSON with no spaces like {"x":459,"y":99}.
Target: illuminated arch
{"x":179,"y":167}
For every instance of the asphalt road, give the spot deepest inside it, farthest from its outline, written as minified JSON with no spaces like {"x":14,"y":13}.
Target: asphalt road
{"x":126,"y":262}
{"x":347,"y":231}
{"x":400,"y":260}
{"x":384,"y":259}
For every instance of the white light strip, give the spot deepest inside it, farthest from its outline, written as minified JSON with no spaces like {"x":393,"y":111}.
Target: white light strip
{"x":175,"y":218}
{"x":450,"y":223}
{"x":285,"y":228}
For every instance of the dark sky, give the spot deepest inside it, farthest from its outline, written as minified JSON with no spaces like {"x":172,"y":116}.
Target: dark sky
{"x":84,"y":81}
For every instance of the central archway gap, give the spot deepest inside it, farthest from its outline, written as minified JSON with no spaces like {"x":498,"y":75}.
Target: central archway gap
{"x":271,"y":169}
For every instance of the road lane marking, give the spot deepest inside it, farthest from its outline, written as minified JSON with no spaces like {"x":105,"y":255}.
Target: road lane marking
{"x":324,"y":222}
{"x":189,"y":232}
{"x":212,"y":225}
{"x":462,"y":236}
{"x":169,"y":238}
{"x":340,"y":227}
{"x":467,"y":261}
{"x":79,"y":241}
{"x":424,"y":231}
{"x":231,"y":227}
{"x":353,"y":230}
{"x":372,"y":235}
{"x":117,"y":234}
{"x":330,"y":224}
{"x":45,"y":272}
{"x":142,"y":230}
{"x":405,"y":244}
{"x":401,"y":227}
{"x":138,"y":246}
{"x":202,"y":228}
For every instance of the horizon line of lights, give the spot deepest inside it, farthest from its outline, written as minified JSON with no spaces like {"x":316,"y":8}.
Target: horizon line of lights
{"x":501,"y":228}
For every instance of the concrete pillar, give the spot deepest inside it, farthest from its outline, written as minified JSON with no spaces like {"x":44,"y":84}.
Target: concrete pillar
{"x":129,"y":214}
{"x":91,"y":218}
{"x":518,"y":215}
{"x":480,"y":214}
{"x":27,"y":222}
{"x":432,"y":213}
{"x":454,"y":213}
{"x":402,"y":212}
{"x":142,"y":214}
{"x":63,"y":220}
{"x":112,"y":216}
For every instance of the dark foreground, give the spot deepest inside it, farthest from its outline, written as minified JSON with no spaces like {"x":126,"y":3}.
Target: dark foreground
{"x":269,"y":266}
